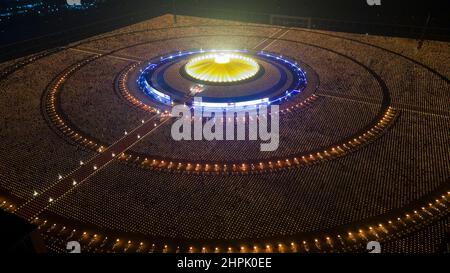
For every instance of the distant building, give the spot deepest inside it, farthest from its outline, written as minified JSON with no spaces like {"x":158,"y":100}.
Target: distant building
{"x":15,"y":8}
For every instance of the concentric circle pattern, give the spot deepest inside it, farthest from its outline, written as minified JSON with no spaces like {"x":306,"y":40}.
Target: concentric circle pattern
{"x":280,"y":79}
{"x":364,"y":121}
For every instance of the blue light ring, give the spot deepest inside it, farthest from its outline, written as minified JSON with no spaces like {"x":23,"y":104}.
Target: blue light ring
{"x":264,"y":93}
{"x":297,"y":85}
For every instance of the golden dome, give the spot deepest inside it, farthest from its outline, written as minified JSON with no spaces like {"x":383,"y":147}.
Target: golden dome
{"x":221,"y":67}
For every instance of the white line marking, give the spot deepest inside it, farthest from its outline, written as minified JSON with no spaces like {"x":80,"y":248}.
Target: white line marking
{"x":98,"y":53}
{"x":276,"y":39}
{"x":267,"y":38}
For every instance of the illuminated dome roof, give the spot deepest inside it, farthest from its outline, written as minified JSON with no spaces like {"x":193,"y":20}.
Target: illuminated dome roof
{"x":221,"y":67}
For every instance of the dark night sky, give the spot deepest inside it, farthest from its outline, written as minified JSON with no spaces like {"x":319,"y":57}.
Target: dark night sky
{"x":390,"y":10}
{"x":397,"y":12}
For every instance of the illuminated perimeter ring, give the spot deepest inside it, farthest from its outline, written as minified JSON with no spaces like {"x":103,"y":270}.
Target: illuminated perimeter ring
{"x":164,"y":95}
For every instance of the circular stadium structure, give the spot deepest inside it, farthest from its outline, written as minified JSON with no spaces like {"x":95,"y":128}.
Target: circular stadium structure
{"x":362,"y":156}
{"x":241,"y":78}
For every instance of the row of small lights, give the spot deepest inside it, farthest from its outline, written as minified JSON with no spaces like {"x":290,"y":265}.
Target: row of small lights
{"x":125,"y":92}
{"x":151,"y":67}
{"x":198,"y":167}
{"x":58,"y":121}
{"x":141,"y":105}
{"x":7,"y":206}
{"x":22,"y":63}
{"x":66,"y":129}
{"x":55,"y":118}
{"x":378,"y":126}
{"x":60,"y":124}
{"x":330,"y":153}
{"x":351,"y":241}
{"x":243,"y":167}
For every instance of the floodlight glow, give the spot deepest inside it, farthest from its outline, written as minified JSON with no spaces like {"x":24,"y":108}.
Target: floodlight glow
{"x":231,"y":105}
{"x":252,"y":102}
{"x":221,"y":67}
{"x":160,"y":96}
{"x":222,"y":59}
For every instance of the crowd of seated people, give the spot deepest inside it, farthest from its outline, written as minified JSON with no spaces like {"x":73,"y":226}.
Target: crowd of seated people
{"x":32,"y":152}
